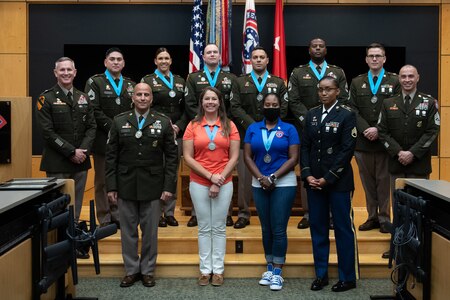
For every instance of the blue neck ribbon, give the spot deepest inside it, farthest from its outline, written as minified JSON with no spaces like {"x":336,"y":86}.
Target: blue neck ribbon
{"x":259,"y":86}
{"x":163,"y":78}
{"x":322,"y":72}
{"x":212,"y":82}
{"x":117,"y":89}
{"x":374,"y":87}
{"x":211,"y":133}
{"x":267,"y":140}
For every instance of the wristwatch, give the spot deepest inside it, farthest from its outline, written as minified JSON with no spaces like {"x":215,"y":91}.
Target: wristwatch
{"x":273,"y":178}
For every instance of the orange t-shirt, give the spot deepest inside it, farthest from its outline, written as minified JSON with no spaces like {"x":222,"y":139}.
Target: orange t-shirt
{"x":213,"y":161}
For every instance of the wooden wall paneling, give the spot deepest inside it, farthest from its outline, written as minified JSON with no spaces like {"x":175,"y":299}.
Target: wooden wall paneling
{"x":13,"y":24}
{"x":13,"y":75}
{"x":15,"y":275}
{"x":444,"y":99}
{"x":445,"y":28}
{"x":444,"y":137}
{"x":440,"y":266}
{"x":435,"y":168}
{"x":444,"y":167}
{"x":20,"y":165}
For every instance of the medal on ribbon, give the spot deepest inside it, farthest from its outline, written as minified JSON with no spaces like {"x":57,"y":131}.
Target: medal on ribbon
{"x":259,"y":86}
{"x":211,"y":134}
{"x":267,"y":141}
{"x":117,"y":88}
{"x":169,"y":84}
{"x":375,"y":86}
{"x":138,"y":134}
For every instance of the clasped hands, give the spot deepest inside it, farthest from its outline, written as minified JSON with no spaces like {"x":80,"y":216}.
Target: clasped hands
{"x":316,"y":184}
{"x":217,"y":181}
{"x":79,"y":156}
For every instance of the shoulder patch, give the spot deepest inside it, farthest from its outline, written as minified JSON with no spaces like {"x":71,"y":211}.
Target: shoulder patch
{"x":40,"y":102}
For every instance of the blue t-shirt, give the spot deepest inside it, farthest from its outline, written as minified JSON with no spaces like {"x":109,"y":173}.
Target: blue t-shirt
{"x":285,"y":136}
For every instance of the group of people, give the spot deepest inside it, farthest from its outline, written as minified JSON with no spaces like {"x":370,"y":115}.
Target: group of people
{"x":254,"y":123}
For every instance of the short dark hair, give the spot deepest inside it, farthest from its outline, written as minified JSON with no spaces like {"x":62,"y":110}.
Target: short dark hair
{"x":334,"y":80}
{"x":272,"y":94}
{"x":161,"y":50}
{"x":259,"y":48}
{"x":375,"y":45}
{"x":111,"y":50}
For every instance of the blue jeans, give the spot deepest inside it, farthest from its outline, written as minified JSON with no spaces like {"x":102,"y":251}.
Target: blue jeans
{"x":274,"y":209}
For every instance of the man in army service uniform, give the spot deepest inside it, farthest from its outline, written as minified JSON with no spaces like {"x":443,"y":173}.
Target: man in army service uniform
{"x":408,"y":125}
{"x":141,"y":170}
{"x":303,"y":94}
{"x":247,"y":107}
{"x":110,"y":94}
{"x":68,"y":127}
{"x":367,"y":92}
{"x":211,"y":75}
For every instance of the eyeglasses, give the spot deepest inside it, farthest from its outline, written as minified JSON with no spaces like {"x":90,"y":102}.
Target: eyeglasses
{"x":326,"y":90}
{"x":377,"y":56}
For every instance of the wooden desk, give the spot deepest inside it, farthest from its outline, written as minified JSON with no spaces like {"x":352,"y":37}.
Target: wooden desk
{"x":437,"y":193}
{"x":17,"y":222}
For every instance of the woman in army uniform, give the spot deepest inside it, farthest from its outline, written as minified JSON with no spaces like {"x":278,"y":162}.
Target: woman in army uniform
{"x":168,"y":99}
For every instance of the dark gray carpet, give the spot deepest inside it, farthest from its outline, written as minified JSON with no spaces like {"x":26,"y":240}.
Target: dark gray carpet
{"x":236,"y":289}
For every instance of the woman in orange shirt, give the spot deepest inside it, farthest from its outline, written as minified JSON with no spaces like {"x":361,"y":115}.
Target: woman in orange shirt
{"x":211,"y":149}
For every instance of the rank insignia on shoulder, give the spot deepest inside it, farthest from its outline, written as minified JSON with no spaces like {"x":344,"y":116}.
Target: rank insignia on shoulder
{"x":354,"y":132}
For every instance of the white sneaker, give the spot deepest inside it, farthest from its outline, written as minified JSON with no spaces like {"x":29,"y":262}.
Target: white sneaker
{"x":276,"y":283}
{"x":266,"y":278}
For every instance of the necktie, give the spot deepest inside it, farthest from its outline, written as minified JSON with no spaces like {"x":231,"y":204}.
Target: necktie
{"x":140,"y":118}
{"x":212,"y":74}
{"x":117,"y":80}
{"x":407,"y":102}
{"x":69,"y":97}
{"x":324,"y":115}
{"x":259,"y":79}
{"x":319,"y":69}
{"x":374,"y":79}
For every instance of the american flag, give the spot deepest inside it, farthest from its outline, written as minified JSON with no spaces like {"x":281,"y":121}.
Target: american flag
{"x":197,"y":40}
{"x":250,"y":35}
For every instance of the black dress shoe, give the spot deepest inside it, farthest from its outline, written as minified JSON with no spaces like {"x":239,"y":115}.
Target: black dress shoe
{"x":384,"y":228}
{"x":385,"y":255}
{"x":162,"y":222}
{"x":82,"y":254}
{"x":319,"y":283}
{"x":230,"y":221}
{"x":171,"y":221}
{"x":148,"y":280}
{"x":241,"y":223}
{"x":192,"y":222}
{"x":303,"y":224}
{"x":129,"y":280}
{"x":342,"y":286}
{"x":369,"y":225}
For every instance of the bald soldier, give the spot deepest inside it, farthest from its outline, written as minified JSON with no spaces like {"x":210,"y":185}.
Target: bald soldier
{"x":141,"y":170}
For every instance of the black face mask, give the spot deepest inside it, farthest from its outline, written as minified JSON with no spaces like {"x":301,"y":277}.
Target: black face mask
{"x":271,"y":114}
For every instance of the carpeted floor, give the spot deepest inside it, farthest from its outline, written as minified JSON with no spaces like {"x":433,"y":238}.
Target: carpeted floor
{"x":236,"y":289}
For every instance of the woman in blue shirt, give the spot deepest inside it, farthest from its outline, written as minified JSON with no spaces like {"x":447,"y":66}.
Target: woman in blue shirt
{"x":271,"y":153}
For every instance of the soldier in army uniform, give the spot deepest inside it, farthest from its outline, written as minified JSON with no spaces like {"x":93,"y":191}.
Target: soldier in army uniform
{"x":303,"y":95}
{"x":68,"y":127}
{"x":327,"y":147}
{"x":141,"y":170}
{"x":168,"y":92}
{"x":110,"y":94}
{"x":367,"y":92}
{"x":247,"y":107}
{"x":408,"y":125}
{"x":211,"y":75}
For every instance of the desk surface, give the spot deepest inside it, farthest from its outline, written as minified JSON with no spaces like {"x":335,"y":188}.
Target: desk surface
{"x":438,"y":188}
{"x":11,"y":199}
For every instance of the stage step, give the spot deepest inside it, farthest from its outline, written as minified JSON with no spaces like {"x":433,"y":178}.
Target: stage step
{"x":236,"y":265}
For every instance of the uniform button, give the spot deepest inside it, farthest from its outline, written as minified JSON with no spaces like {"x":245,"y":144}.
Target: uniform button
{"x":319,"y":150}
{"x":139,"y":153}
{"x":318,"y":159}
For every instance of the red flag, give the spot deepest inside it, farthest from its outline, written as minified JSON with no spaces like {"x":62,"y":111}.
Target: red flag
{"x":279,"y":44}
